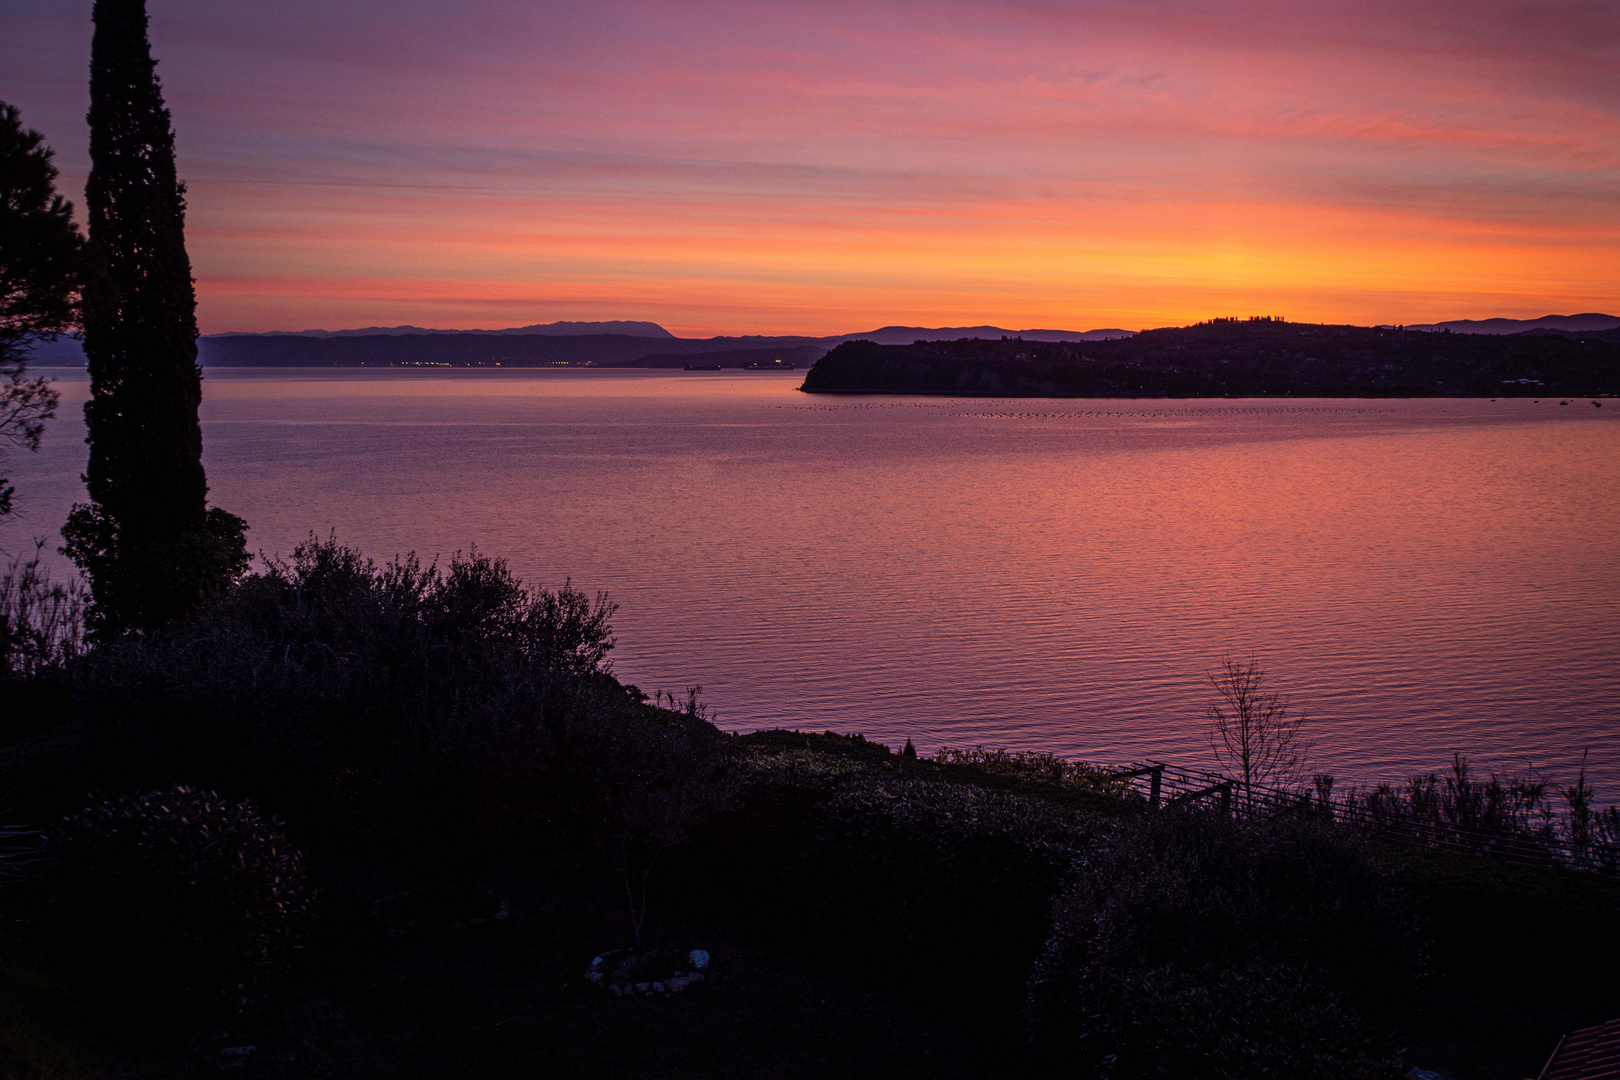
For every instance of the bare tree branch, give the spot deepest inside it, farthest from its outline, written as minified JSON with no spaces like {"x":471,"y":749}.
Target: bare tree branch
{"x":1252,"y":732}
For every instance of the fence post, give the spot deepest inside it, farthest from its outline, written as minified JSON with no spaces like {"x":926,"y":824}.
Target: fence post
{"x":1226,"y":799}
{"x":1153,"y":796}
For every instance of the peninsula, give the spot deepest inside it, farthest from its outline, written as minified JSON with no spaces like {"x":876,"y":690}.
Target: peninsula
{"x":1258,"y":357}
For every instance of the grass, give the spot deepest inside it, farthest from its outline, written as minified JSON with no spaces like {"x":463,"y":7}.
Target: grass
{"x":1014,"y":774}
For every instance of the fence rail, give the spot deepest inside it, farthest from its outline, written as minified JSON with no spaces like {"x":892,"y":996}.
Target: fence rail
{"x":1163,"y":786}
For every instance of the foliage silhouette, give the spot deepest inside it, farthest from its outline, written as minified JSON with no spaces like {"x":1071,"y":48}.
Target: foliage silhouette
{"x":40,"y":250}
{"x":1194,"y":946}
{"x":188,"y":898}
{"x":1258,"y":358}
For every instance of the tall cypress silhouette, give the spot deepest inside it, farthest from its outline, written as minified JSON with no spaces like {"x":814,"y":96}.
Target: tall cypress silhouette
{"x":151,"y":546}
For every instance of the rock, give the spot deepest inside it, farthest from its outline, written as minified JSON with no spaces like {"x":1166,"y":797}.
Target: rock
{"x":596,"y":963}
{"x":658,"y":987}
{"x":238,"y":1051}
{"x":593,"y":976}
{"x":614,"y":990}
{"x":677,"y":984}
{"x":696,"y":977}
{"x":699,"y":958}
{"x":642,"y":988}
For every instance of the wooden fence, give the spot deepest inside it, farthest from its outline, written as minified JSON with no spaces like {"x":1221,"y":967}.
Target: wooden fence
{"x":1164,"y":787}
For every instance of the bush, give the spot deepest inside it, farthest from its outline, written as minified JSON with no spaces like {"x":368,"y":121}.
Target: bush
{"x":172,"y":900}
{"x":1261,"y":1019}
{"x":1037,"y":767}
{"x":330,"y":666}
{"x":650,"y":776}
{"x":910,"y":880}
{"x":41,"y":621}
{"x":1202,"y":937}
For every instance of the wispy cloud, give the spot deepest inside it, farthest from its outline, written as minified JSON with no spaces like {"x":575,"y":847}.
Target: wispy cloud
{"x":747,"y":167}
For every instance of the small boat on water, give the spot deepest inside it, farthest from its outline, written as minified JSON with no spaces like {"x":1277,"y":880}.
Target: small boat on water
{"x":701,"y":367}
{"x":771,"y":365}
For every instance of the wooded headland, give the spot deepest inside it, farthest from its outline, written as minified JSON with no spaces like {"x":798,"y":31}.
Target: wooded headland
{"x":1232,"y":358}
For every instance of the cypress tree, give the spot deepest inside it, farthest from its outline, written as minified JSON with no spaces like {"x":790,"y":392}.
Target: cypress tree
{"x":152,"y":547}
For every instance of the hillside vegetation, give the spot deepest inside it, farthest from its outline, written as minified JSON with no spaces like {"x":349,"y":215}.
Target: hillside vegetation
{"x":377,"y":820}
{"x":1253,"y":358}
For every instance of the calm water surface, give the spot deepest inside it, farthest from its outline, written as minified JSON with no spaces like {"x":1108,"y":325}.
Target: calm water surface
{"x":1422,"y":576}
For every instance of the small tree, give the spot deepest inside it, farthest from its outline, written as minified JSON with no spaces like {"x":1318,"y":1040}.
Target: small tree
{"x":39,"y":280}
{"x":152,"y":547}
{"x":1254,"y":735}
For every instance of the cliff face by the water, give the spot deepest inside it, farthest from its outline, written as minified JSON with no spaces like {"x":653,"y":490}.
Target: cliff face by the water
{"x":1235,"y":359}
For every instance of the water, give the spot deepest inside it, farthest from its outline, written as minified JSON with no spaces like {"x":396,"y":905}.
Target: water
{"x":1423,"y":577}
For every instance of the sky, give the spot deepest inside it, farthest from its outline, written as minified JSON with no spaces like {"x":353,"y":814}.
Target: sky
{"x":824,"y":167}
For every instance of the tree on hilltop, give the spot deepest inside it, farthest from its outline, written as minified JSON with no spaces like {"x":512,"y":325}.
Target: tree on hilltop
{"x":150,"y":543}
{"x":39,"y":280}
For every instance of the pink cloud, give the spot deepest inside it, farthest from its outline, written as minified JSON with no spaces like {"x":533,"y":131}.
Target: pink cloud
{"x":1037,"y":157}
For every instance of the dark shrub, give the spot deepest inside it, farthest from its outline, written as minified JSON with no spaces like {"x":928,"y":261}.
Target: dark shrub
{"x":333,"y":667}
{"x":1261,"y":1019}
{"x":1041,"y":767}
{"x":172,"y":899}
{"x":642,"y":778}
{"x":41,"y":621}
{"x":1224,"y":936}
{"x":910,"y":882}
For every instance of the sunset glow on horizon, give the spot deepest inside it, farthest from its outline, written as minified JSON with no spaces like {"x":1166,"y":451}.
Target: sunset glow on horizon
{"x":726,"y":168}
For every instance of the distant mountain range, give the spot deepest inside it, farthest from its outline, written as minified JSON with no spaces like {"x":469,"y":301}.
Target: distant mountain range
{"x":556,"y":329}
{"x":607,"y":344}
{"x":1585,"y":323}
{"x":883,"y":335}
{"x":905,"y":335}
{"x":629,"y":343}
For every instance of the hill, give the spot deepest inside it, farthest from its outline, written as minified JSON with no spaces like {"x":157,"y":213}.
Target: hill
{"x":1587,"y":321}
{"x":628,"y":343}
{"x":905,"y":335}
{"x":451,"y":350}
{"x":556,"y":329}
{"x":1259,"y":357}
{"x":408,"y":347}
{"x":799,"y":355}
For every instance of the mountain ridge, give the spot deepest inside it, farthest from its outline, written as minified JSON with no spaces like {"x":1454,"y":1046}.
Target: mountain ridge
{"x":1585,"y":322}
{"x":621,"y":343}
{"x":628,"y":327}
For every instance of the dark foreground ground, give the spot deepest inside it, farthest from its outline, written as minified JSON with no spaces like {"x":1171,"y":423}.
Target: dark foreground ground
{"x":507,"y":1000}
{"x":421,"y":977}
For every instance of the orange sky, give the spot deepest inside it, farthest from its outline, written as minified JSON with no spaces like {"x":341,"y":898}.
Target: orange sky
{"x":728,"y":167}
